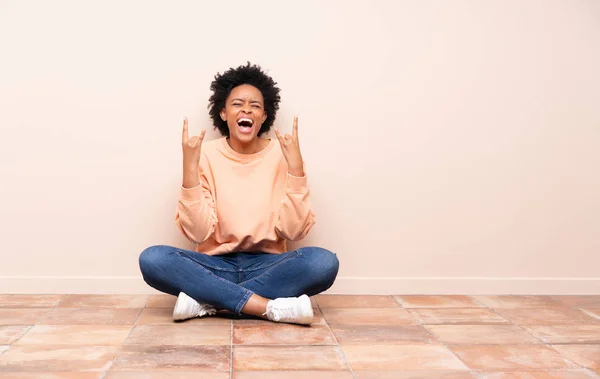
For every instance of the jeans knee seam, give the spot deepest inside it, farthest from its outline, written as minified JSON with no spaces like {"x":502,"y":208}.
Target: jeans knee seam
{"x":292,"y":255}
{"x":184,"y":253}
{"x":207,"y":270}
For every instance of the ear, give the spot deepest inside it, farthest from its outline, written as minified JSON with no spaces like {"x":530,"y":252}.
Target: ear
{"x":223,"y":114}
{"x":264,"y":117}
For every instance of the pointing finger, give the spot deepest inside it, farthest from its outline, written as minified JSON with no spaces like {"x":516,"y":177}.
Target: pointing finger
{"x":295,"y":128}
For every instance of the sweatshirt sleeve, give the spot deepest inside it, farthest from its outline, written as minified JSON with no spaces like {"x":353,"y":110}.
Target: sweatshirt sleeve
{"x":296,"y":216}
{"x":196,"y":216}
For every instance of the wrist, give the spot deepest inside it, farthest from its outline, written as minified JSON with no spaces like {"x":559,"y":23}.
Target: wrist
{"x":190,"y":167}
{"x":296,"y":171}
{"x":190,"y":177}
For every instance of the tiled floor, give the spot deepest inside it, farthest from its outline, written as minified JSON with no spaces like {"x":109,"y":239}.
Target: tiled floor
{"x":450,"y":337}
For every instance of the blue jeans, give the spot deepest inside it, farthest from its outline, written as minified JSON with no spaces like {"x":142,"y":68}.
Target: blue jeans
{"x":227,"y":281}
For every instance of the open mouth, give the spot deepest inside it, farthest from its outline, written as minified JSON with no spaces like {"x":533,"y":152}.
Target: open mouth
{"x":245,"y":125}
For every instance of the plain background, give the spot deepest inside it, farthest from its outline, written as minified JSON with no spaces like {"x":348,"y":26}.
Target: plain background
{"x":451,"y":146}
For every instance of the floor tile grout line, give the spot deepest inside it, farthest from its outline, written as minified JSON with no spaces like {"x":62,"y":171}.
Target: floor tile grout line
{"x":589,"y":313}
{"x":562,"y":302}
{"x":548,"y":345}
{"x":62,"y":300}
{"x":50,"y":310}
{"x":478,"y":304}
{"x":503,"y":321}
{"x":442,"y":343}
{"x":567,"y":358}
{"x":475,"y":299}
{"x":529,"y":370}
{"x":249,"y":345}
{"x":123,"y":343}
{"x":471,"y":370}
{"x":47,"y":315}
{"x":592,"y":372}
{"x":316,"y":302}
{"x":357,"y":307}
{"x":339,"y":347}
{"x":579,"y":308}
{"x":29,"y":327}
{"x":495,"y":311}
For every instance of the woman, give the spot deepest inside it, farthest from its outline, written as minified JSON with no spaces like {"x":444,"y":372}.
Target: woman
{"x":241,"y":198}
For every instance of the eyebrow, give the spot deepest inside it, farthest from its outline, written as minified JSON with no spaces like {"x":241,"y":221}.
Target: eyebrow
{"x":252,"y":101}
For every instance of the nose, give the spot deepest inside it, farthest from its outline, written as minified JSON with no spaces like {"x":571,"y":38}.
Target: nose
{"x":246,"y":108}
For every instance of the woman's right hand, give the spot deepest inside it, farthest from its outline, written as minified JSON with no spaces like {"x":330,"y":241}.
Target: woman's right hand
{"x":191,"y":156}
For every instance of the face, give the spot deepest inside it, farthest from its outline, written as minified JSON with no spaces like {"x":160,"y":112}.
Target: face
{"x":244,"y":112}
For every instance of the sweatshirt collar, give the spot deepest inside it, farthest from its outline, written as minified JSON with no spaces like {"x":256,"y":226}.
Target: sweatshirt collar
{"x":227,"y":150}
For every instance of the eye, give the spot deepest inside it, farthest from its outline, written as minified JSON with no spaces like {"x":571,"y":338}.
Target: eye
{"x":256,"y":106}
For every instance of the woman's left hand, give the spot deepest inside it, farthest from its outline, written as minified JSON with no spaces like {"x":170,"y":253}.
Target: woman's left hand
{"x":291,"y":150}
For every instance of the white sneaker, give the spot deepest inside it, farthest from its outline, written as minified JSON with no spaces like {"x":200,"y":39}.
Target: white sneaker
{"x":186,"y":307}
{"x":297,"y":310}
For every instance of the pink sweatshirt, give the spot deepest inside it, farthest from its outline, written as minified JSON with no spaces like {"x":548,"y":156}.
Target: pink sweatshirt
{"x":245,"y":202}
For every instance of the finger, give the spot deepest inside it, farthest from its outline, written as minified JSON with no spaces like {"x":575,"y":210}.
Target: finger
{"x":278,"y":136}
{"x":198,"y":140}
{"x":185,"y":136}
{"x":295,"y":128}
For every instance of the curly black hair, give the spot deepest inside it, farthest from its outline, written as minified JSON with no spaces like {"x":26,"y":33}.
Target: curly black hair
{"x":248,"y":74}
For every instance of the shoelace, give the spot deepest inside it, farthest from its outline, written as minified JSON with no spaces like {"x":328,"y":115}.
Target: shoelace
{"x":205,"y":309}
{"x":283,"y":311}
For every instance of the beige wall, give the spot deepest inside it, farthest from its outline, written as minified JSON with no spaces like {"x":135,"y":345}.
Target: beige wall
{"x":451,"y":146}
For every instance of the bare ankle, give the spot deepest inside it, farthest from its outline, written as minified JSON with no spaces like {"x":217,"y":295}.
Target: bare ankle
{"x":256,"y":306}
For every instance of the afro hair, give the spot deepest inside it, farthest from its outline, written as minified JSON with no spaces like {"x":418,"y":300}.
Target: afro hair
{"x":249,"y":74}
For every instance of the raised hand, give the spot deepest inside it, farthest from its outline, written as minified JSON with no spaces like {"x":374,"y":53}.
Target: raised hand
{"x":290,"y":148}
{"x":191,"y":156}
{"x":191,"y":146}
